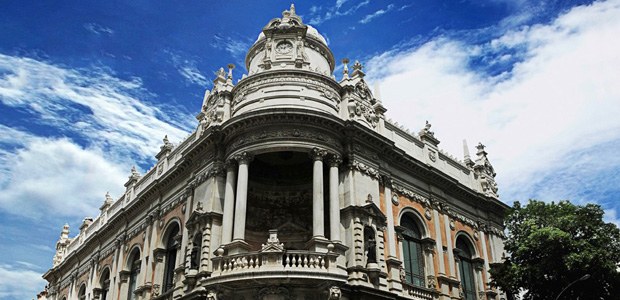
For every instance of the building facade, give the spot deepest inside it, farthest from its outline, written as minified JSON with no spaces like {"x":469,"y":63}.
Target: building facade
{"x":293,"y":186}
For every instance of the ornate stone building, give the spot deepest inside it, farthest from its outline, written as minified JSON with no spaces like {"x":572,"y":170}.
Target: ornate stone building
{"x":293,"y":186}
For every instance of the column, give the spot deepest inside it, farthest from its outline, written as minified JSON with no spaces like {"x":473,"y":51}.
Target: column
{"x":243,"y":160}
{"x":387,"y":184}
{"x":229,"y":202}
{"x":485,"y":256}
{"x":439,"y":242}
{"x":334,"y":201}
{"x":446,"y":221}
{"x":318,"y":226}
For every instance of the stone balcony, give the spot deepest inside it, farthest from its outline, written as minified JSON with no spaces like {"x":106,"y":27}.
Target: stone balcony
{"x":274,"y":263}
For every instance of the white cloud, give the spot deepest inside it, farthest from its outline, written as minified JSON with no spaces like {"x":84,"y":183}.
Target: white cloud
{"x":187,"y":68}
{"x":377,"y":13}
{"x":57,"y":175}
{"x":237,"y":47}
{"x":19,"y":283}
{"x":90,"y":103}
{"x":541,"y":121}
{"x":335,"y":11}
{"x":98,"y":29}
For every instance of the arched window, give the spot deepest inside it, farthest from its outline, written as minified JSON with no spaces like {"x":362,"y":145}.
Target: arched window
{"x":412,"y":251}
{"x":134,"y":270}
{"x":196,"y":251}
{"x":171,"y":256}
{"x":105,"y":284}
{"x":82,"y":292}
{"x":466,"y":270}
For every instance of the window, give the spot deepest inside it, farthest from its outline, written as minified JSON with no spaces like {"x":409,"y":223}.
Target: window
{"x":82,"y":292}
{"x":412,"y":251}
{"x":134,"y":265}
{"x":171,"y":257}
{"x":105,"y":284}
{"x":466,"y":270}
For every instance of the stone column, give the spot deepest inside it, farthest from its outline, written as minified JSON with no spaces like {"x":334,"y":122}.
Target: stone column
{"x":318,"y":226}
{"x":449,"y":244}
{"x":387,"y":184}
{"x":243,"y":160}
{"x":485,"y":256}
{"x":229,"y":202}
{"x":334,"y":201}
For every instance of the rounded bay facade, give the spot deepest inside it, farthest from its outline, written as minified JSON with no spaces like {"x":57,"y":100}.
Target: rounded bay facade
{"x":293,"y":186}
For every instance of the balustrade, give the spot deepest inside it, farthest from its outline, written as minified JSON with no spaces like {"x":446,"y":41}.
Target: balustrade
{"x":268,"y":261}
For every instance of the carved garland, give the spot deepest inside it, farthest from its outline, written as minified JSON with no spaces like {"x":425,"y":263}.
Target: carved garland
{"x":284,"y":133}
{"x":446,"y":209}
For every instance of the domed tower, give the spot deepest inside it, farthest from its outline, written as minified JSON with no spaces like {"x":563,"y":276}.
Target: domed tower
{"x":289,"y":67}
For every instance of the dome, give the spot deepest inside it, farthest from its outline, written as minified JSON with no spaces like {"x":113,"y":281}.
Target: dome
{"x":312,"y":32}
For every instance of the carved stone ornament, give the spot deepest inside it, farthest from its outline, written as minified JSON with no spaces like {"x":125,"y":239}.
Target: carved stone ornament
{"x":452,"y":226}
{"x":334,"y":293}
{"x":476,"y":235}
{"x":284,"y":47}
{"x":395,"y":199}
{"x":317,"y":154}
{"x":273,"y":243}
{"x":428,"y":214}
{"x":403,"y":274}
{"x":243,"y":158}
{"x":335,"y":160}
{"x":431,"y":282}
{"x":269,"y":293}
{"x":432,"y":156}
{"x":211,"y":295}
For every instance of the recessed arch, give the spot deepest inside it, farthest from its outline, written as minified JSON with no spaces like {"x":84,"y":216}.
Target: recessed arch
{"x":82,"y":292}
{"x":171,"y":245}
{"x":417,"y":217}
{"x":170,"y":225}
{"x":413,"y":231}
{"x":467,"y":241}
{"x":465,"y":251}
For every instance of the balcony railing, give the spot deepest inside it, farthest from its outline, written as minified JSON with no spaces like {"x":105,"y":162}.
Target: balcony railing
{"x":273,"y":261}
{"x":286,"y":260}
{"x":417,"y":293}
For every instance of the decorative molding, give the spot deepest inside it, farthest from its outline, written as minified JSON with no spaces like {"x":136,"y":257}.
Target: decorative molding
{"x":361,"y":167}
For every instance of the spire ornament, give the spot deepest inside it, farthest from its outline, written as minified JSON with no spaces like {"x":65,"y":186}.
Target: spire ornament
{"x":485,"y":172}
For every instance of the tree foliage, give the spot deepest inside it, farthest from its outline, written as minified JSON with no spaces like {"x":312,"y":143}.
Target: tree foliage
{"x":550,"y":245}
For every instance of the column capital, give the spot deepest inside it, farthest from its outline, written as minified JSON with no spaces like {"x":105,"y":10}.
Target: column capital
{"x":243,"y":158}
{"x":334,"y":160}
{"x":386,"y":179}
{"x":230,"y":164}
{"x":318,"y":154}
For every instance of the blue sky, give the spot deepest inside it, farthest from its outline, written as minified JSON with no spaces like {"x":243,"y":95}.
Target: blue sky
{"x":89,"y":88}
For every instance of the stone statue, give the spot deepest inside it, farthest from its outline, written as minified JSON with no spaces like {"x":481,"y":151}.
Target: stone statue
{"x":371,"y":251}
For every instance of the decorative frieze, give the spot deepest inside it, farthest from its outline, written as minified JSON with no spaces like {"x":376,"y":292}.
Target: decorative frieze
{"x":361,"y":167}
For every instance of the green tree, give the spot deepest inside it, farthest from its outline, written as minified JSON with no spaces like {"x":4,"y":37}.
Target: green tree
{"x":551,"y":245}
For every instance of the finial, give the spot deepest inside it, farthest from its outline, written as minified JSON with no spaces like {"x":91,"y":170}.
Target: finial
{"x":357,"y":70}
{"x":134,"y":172}
{"x":292,"y":10}
{"x":357,"y":65}
{"x":108,"y":197}
{"x":221,"y":73}
{"x":465,"y":150}
{"x":345,"y":68}
{"x":166,"y":141}
{"x":230,"y":68}
{"x":377,"y":93}
{"x":481,"y":151}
